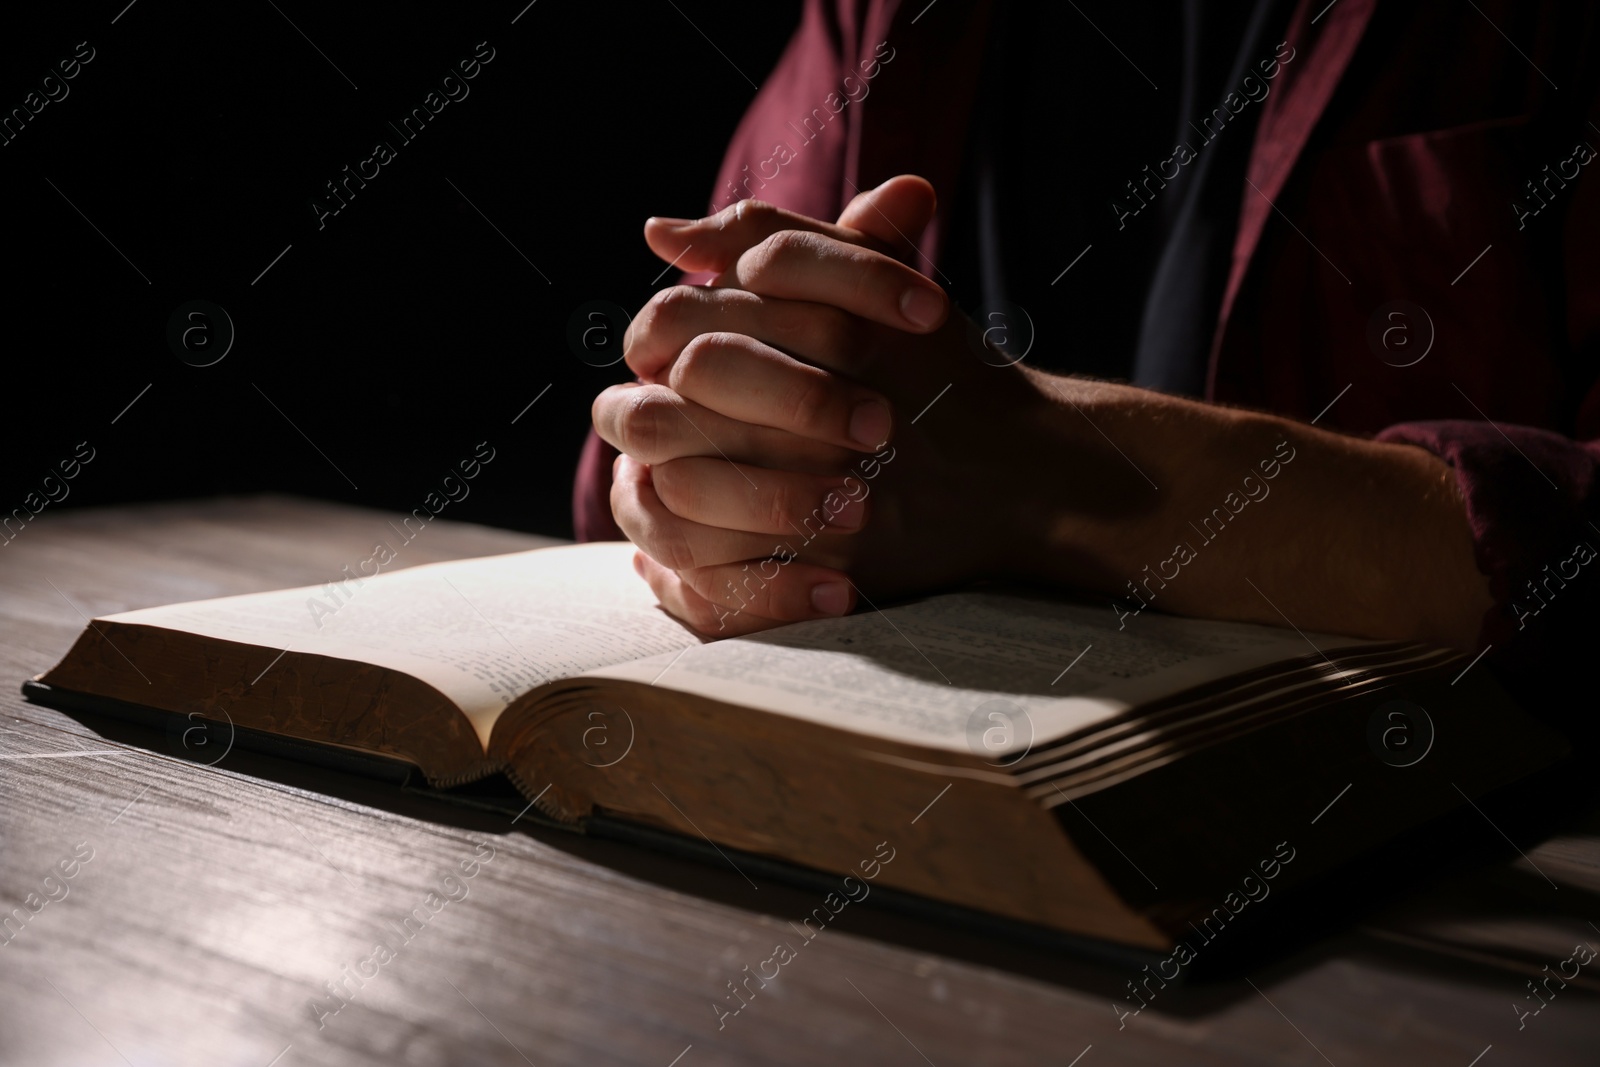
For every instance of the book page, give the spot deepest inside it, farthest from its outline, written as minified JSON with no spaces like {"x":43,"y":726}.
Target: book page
{"x":930,"y":673}
{"x":481,"y":631}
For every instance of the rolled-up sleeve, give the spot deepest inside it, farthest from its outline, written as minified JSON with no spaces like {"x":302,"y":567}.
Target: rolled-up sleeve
{"x":1532,"y":500}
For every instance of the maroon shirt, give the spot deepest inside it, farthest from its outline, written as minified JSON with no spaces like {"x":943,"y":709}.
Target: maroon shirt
{"x":1433,"y":153}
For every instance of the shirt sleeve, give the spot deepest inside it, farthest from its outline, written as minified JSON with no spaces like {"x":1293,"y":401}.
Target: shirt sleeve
{"x":1533,"y":504}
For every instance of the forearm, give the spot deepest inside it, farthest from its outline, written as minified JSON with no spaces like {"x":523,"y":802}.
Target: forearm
{"x":1231,"y":514}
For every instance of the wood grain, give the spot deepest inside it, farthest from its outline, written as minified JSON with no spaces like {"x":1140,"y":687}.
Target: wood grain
{"x":220,"y":899}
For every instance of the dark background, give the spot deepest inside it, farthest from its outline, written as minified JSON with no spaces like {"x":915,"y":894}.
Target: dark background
{"x":405,"y":331}
{"x":383,"y":347}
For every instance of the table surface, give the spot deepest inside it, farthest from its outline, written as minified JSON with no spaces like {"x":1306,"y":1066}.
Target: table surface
{"x":219,"y":900}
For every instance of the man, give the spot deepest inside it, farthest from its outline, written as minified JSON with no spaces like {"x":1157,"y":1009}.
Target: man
{"x":1378,"y":287}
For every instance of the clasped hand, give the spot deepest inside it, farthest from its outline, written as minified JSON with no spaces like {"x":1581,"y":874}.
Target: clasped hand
{"x":811,"y":427}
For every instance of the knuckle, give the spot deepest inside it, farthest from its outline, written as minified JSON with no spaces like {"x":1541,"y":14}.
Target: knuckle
{"x":670,"y":306}
{"x":784,"y":505}
{"x":740,"y":593}
{"x":704,"y":616}
{"x":756,"y":214}
{"x":641,"y":427}
{"x":774,"y":251}
{"x":738,"y":589}
{"x":599,"y":406}
{"x":768,"y":597}
{"x":675,"y":550}
{"x":617,"y":501}
{"x":867,"y":277}
{"x":668,"y":543}
{"x":808,"y":402}
{"x":657,"y":316}
{"x":668,"y":486}
{"x":697,"y":360}
{"x":786,"y":243}
{"x":623,"y":508}
{"x":713,"y":585}
{"x":677,"y":489}
{"x":662,"y":316}
{"x":792,"y":324}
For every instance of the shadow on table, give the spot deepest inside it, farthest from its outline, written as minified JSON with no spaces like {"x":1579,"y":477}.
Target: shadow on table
{"x":1452,"y":873}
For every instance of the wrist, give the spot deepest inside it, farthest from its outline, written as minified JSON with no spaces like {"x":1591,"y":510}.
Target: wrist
{"x":1092,"y":479}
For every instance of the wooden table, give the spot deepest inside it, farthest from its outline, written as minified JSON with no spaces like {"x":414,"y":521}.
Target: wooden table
{"x":220,"y":899}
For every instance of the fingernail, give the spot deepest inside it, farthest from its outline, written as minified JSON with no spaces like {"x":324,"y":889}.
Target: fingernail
{"x":831,"y":598}
{"x":869,"y":424}
{"x":675,"y":225}
{"x":921,"y":306}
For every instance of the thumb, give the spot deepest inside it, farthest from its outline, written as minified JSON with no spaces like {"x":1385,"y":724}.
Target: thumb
{"x":895,"y":213}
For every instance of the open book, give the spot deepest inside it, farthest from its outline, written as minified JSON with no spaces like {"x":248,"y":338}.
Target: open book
{"x":1034,"y":758}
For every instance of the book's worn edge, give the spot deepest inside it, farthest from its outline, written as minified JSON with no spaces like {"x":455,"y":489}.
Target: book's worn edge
{"x":409,"y":778}
{"x":798,"y":876}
